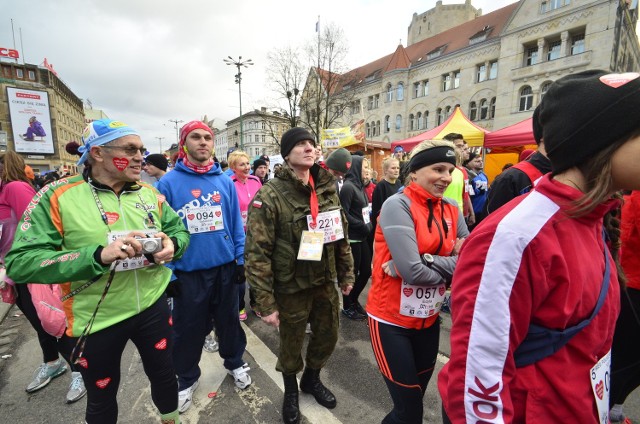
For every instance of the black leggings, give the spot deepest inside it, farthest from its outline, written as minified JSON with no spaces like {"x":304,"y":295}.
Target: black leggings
{"x":150,"y":331}
{"x":362,"y":267}
{"x":625,"y":359}
{"x":406,"y":359}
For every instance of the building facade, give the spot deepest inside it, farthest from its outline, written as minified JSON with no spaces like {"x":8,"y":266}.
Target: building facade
{"x":65,"y":111}
{"x":261,"y":132}
{"x":497,"y":67}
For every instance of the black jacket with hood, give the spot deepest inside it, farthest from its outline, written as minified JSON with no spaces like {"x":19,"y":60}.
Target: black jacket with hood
{"x":353,"y":200}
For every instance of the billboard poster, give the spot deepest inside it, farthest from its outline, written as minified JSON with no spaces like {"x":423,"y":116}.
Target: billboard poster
{"x":30,"y":120}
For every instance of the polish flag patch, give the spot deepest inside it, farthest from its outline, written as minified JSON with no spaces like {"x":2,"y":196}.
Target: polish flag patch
{"x":161,"y":345}
{"x":257,"y":204}
{"x":618,"y":80}
{"x":102,"y":384}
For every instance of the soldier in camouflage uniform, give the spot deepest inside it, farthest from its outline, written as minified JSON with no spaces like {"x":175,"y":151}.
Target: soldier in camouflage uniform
{"x":289,"y":292}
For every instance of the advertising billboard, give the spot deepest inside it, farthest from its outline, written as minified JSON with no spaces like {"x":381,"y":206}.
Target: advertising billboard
{"x":30,"y":120}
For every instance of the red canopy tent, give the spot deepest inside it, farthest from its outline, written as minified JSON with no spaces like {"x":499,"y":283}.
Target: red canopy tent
{"x":520,"y":134}
{"x":456,"y":123}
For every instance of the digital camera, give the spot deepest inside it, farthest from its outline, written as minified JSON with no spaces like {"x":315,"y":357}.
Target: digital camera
{"x":150,"y":244}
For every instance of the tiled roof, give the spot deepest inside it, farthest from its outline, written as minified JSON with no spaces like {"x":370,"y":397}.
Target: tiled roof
{"x":452,"y":40}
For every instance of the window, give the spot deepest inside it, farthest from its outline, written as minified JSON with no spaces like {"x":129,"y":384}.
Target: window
{"x":440,"y":116}
{"x":249,"y":138}
{"x":6,"y":71}
{"x":376,"y":101}
{"x":263,"y":138}
{"x":355,"y":107}
{"x":389,"y":92}
{"x":549,"y":5}
{"x":368,"y":130}
{"x":426,"y":119}
{"x":446,"y":82}
{"x":553,"y":51}
{"x":370,"y":103}
{"x":378,"y":127}
{"x":419,"y":120}
{"x":526,"y":98}
{"x":531,"y":56}
{"x":484,"y":109}
{"x":493,"y":69}
{"x":411,"y":122}
{"x":447,"y":111}
{"x":577,"y":44}
{"x":373,"y":128}
{"x":400,"y":92}
{"x":32,"y":75}
{"x":481,"y":73}
{"x":473,"y":111}
{"x":19,"y":73}
{"x":492,"y":108}
{"x":398,"y":122}
{"x":387,"y":123}
{"x":425,"y":88}
{"x":416,"y":90}
{"x":544,"y":88}
{"x":456,"y":79}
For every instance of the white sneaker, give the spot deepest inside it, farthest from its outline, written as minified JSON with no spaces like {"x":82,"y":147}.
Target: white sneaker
{"x":76,"y":388}
{"x":210,"y":344}
{"x":185,"y":396}
{"x":308,"y":329}
{"x":241,"y":376}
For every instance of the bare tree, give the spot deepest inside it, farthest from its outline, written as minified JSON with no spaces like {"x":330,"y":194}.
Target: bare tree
{"x":326,"y":95}
{"x":286,"y":75}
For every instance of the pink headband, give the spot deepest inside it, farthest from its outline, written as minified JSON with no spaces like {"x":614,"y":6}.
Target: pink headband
{"x":184,"y":132}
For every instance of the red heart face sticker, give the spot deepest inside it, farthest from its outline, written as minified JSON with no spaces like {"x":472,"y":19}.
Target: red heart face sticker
{"x":103,"y":383}
{"x":218,"y":213}
{"x":190,"y":216}
{"x":121,"y":163}
{"x":196,"y":193}
{"x":216,"y":198}
{"x":161,"y":345}
{"x":407,"y":291}
{"x":600,"y":389}
{"x":617,"y":80}
{"x":83,"y":363}
{"x":112,"y":217}
{"x":441,"y":290}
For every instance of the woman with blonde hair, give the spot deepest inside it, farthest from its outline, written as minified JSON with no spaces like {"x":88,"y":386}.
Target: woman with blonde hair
{"x":417,"y":239}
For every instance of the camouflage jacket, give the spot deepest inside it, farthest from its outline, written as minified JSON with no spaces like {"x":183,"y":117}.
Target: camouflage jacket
{"x":277,"y":217}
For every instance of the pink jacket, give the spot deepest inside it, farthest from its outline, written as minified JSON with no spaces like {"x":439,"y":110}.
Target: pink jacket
{"x":246,"y":190}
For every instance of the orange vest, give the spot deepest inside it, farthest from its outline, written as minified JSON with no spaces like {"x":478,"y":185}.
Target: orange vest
{"x":384,"y":296}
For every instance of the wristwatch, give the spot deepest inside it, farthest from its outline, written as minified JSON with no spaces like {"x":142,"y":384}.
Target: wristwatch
{"x":428,"y":259}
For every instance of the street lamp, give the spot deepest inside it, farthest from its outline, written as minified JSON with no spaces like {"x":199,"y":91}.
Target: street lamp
{"x":160,"y":140}
{"x":176,"y":122}
{"x":239,"y":63}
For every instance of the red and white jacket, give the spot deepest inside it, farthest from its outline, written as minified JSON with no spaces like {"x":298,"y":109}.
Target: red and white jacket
{"x":529,"y":263}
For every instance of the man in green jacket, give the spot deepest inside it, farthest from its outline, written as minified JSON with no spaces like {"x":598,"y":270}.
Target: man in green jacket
{"x":296,"y":250}
{"x":104,"y":237}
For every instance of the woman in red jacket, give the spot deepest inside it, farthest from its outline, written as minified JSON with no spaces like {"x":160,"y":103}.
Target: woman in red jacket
{"x":538,"y":270}
{"x":416,"y":242}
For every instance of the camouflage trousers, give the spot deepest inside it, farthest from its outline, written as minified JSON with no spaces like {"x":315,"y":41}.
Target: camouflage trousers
{"x":320,"y":307}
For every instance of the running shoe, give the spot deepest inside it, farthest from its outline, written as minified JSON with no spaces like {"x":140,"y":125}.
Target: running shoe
{"x":76,"y":388}
{"x":243,"y":314}
{"x":353,"y":314}
{"x":185,"y":396}
{"x":210,"y":344}
{"x":241,"y":376}
{"x":45,"y":373}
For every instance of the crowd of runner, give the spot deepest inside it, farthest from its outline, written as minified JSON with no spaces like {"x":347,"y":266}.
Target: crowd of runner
{"x":538,"y":268}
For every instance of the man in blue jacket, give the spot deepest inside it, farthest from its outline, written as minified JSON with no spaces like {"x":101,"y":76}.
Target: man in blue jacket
{"x":206,"y":275}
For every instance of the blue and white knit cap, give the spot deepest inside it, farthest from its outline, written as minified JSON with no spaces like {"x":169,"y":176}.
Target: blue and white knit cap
{"x":100,"y":132}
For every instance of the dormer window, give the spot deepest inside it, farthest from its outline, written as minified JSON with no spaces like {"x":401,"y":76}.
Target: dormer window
{"x":436,"y":52}
{"x":481,"y":35}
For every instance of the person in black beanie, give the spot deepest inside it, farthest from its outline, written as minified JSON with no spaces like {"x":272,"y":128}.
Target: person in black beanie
{"x":261,"y":170}
{"x":537,"y":280}
{"x":519,"y":179}
{"x":156,"y":166}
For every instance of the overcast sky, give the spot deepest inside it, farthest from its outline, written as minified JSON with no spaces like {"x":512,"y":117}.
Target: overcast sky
{"x":145,"y":62}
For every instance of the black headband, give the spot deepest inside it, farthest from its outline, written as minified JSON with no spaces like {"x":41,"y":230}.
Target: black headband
{"x":432,"y":155}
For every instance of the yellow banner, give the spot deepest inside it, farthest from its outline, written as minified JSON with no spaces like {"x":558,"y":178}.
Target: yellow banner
{"x":343,"y":137}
